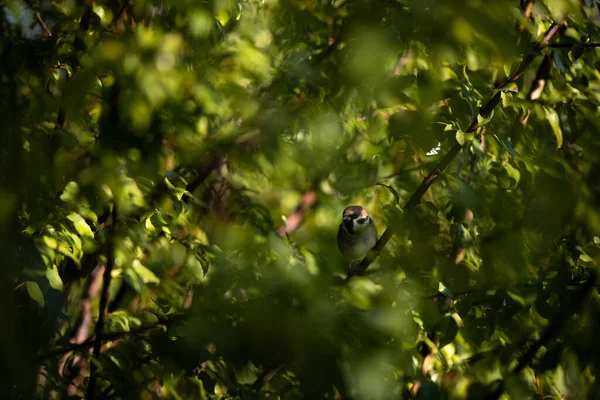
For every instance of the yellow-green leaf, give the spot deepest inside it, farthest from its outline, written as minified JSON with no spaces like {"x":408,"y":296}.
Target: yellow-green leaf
{"x":50,"y":242}
{"x":144,"y":273}
{"x":506,"y":98}
{"x":81,"y":226}
{"x":54,"y":278}
{"x":35,"y":292}
{"x":552,"y":117}
{"x":462,"y":137}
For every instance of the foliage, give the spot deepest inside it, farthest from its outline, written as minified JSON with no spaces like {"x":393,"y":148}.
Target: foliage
{"x":161,"y":147}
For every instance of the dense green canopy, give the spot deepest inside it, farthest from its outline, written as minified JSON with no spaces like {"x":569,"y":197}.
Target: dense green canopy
{"x":173,"y":173}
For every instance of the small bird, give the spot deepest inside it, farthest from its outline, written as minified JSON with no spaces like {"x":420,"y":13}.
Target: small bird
{"x":356,"y":235}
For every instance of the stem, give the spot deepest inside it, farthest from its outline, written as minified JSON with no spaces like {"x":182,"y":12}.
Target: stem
{"x":38,"y":16}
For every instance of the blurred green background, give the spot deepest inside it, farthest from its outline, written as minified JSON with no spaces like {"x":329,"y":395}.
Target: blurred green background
{"x":180,"y":169}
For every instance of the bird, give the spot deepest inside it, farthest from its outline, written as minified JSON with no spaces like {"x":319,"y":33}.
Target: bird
{"x":357,"y":234}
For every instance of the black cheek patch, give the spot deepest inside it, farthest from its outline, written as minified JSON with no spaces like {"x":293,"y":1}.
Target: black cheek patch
{"x":349,"y":226}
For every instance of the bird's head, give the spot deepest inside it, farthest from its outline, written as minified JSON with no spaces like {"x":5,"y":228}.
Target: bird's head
{"x":355,"y":218}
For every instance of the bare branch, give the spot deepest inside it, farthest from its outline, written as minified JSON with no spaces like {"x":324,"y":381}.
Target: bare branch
{"x":76,"y":367}
{"x":308,"y":200}
{"x":87,"y":345}
{"x":110,"y":263}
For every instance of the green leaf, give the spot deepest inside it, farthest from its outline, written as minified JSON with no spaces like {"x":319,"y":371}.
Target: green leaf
{"x":463,"y":137}
{"x":507,"y":98}
{"x":482,"y":120}
{"x":54,"y":278}
{"x":392,"y":191}
{"x":50,"y":242}
{"x":576,"y":52}
{"x":360,"y":292}
{"x":446,"y":329}
{"x":35,"y":292}
{"x":553,"y":120}
{"x":516,"y":296}
{"x":513,"y":173}
{"x":81,"y":226}
{"x":144,"y":273}
{"x":510,"y":87}
{"x":71,"y":193}
{"x":507,"y":145}
{"x":559,"y":60}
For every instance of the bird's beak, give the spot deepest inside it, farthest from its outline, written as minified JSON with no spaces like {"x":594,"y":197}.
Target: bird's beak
{"x":346,"y":218}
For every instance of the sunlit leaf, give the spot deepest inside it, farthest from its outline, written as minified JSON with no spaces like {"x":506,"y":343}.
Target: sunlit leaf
{"x":552,"y":117}
{"x":144,"y":273}
{"x":81,"y":226}
{"x":54,"y":278}
{"x":35,"y":292}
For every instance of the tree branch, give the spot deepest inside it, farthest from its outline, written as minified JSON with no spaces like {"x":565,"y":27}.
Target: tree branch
{"x":204,"y":173}
{"x":531,"y":56}
{"x":538,"y":85}
{"x":485,"y":112}
{"x":308,"y":200}
{"x":110,"y":263}
{"x":570,"y":45}
{"x":551,"y":331}
{"x":74,"y":367}
{"x":173,"y":318}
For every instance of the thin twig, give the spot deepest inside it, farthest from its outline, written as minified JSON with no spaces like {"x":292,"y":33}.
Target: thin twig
{"x":485,"y":112}
{"x":38,"y":16}
{"x":527,"y":6}
{"x":43,"y":24}
{"x":539,"y":385}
